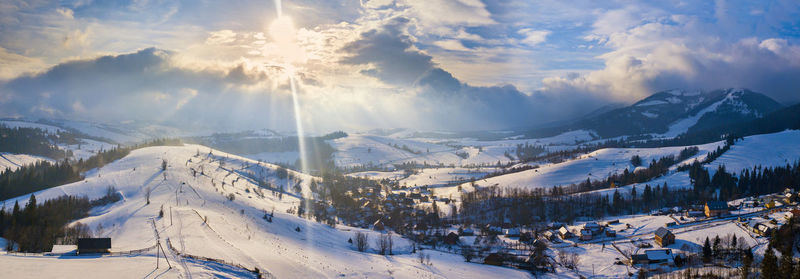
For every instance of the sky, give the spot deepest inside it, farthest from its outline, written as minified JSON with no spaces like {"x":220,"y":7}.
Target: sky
{"x":364,"y":64}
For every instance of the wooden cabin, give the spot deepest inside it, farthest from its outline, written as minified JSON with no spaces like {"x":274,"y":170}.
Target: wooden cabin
{"x":94,"y":245}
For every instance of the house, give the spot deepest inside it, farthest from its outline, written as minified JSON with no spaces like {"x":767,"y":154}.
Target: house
{"x":716,"y":208}
{"x":495,"y":230}
{"x":763,"y":229}
{"x":593,"y":227}
{"x":451,"y":238}
{"x":654,"y":256}
{"x":611,"y":233}
{"x":788,"y":198}
{"x":695,"y":213}
{"x":564,"y":233}
{"x":585,"y":235}
{"x":94,"y":245}
{"x":511,"y":232}
{"x":664,"y":237}
{"x":549,"y":235}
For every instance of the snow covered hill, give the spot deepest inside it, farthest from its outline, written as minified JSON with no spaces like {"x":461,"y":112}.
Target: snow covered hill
{"x":776,"y":149}
{"x":769,"y":150}
{"x":670,"y":113}
{"x":218,"y":214}
{"x":597,"y":165}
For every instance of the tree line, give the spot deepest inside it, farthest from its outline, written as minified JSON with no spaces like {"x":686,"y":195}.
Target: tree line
{"x":758,"y":180}
{"x":35,"y":141}
{"x":36,"y":227}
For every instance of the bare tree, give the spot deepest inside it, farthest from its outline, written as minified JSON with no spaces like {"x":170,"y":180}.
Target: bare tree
{"x":382,"y":243}
{"x":467,"y":252}
{"x":391,"y":243}
{"x":147,"y":192}
{"x":361,"y":241}
{"x":568,"y":259}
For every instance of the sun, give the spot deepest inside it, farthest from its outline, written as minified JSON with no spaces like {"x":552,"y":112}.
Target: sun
{"x":282,"y":30}
{"x":284,"y":44}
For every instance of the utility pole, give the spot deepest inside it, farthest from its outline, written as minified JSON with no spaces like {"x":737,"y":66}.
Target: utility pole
{"x":170,"y":215}
{"x":161,"y":249}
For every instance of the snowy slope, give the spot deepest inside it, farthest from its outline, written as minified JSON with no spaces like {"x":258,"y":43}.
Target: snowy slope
{"x":776,"y":149}
{"x":234,"y":230}
{"x":595,"y":166}
{"x":361,"y":149}
{"x":14,"y":161}
{"x":26,"y":124}
{"x":366,"y":149}
{"x":683,"y":125}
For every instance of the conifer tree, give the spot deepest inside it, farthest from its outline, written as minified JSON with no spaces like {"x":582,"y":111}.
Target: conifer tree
{"x":707,"y":251}
{"x":769,"y":265}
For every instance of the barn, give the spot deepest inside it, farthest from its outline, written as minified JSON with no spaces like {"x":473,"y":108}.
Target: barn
{"x":94,"y":245}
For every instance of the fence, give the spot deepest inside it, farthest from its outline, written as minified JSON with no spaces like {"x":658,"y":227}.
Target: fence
{"x":258,"y":273}
{"x":133,"y":252}
{"x":74,"y":253}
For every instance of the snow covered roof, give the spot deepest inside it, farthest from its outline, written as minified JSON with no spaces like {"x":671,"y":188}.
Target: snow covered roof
{"x":717,"y":205}
{"x":60,"y":249}
{"x":658,"y":254}
{"x":662,"y":232}
{"x":591,"y":226}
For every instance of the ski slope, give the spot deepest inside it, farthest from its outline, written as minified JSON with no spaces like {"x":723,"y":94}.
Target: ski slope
{"x":11,"y":161}
{"x":201,"y":220}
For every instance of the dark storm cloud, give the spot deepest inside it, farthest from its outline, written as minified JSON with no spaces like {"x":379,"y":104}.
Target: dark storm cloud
{"x":443,"y":99}
{"x":142,"y":86}
{"x":389,"y":50}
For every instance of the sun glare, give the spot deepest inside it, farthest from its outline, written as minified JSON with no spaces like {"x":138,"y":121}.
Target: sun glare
{"x":282,"y":30}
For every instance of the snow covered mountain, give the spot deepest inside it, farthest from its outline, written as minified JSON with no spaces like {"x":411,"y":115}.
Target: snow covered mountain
{"x":670,"y":113}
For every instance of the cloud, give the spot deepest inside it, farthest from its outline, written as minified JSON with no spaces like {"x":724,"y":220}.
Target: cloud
{"x":463,"y":64}
{"x":451,"y":45}
{"x":458,"y":12}
{"x":145,"y":85}
{"x":12,"y":64}
{"x":652,"y":50}
{"x":389,"y":50}
{"x":442,"y":99}
{"x":533,"y":37}
{"x":221,"y":37}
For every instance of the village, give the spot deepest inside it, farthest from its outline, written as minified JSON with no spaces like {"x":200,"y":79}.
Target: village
{"x":666,"y":240}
